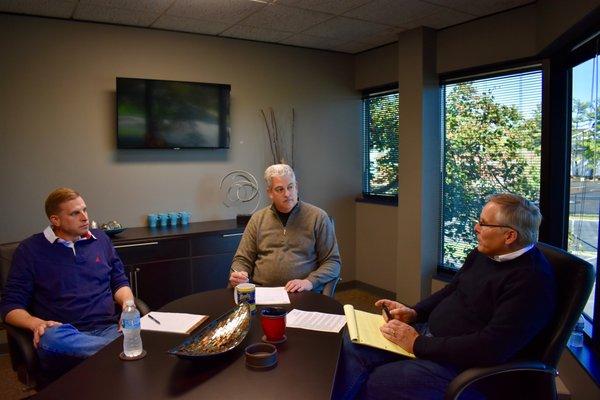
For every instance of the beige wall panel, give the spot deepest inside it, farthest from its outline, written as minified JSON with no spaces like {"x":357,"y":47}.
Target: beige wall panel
{"x":501,"y":37}
{"x":376,"y":237}
{"x":555,"y":17}
{"x":376,"y":67}
{"x":57,"y":122}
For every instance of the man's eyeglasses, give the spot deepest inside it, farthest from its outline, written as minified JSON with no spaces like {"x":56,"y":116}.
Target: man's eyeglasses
{"x":482,"y":224}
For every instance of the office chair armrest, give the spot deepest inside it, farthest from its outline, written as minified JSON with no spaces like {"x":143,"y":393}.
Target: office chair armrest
{"x":472,"y":375}
{"x":141,"y":306}
{"x":329,"y":287}
{"x":22,"y":340}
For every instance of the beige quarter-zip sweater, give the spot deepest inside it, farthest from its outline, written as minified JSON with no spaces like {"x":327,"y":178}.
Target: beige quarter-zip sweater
{"x":273,"y":254}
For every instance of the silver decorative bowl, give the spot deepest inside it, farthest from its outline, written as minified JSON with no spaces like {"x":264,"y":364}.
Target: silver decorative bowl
{"x":112,"y":228}
{"x":220,"y":336}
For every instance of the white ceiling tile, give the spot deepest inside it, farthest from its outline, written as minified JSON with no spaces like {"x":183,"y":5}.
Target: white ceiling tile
{"x":190,"y":25}
{"x":253,"y":33}
{"x":46,"y":8}
{"x":329,"y":6}
{"x":346,"y":29}
{"x":89,"y":12}
{"x":353,"y":47}
{"x":304,"y":40}
{"x":481,"y":7}
{"x":393,"y":12}
{"x":285,"y":18}
{"x":226,"y":11}
{"x":157,"y":6}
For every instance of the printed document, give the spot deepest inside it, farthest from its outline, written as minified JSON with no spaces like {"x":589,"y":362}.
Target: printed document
{"x":363,"y":328}
{"x":315,"y":321}
{"x":171,"y":322}
{"x":271,"y":295}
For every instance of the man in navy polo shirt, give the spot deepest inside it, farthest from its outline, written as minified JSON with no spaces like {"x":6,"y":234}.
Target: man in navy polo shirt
{"x":63,"y":286}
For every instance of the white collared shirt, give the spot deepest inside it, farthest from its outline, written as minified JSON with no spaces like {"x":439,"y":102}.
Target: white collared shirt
{"x":513,"y":255}
{"x":52,"y":238}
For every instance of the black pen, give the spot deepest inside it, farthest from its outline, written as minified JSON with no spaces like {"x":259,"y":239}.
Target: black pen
{"x":153,"y":319}
{"x":387,"y":312}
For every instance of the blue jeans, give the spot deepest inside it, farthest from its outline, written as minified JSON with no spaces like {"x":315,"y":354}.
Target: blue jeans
{"x":62,"y":347}
{"x":367,"y":373}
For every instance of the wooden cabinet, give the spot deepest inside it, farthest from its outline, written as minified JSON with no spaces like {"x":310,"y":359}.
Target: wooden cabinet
{"x":166,"y":264}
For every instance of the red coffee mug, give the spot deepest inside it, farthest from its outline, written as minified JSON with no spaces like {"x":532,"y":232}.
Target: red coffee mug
{"x":272,"y":320}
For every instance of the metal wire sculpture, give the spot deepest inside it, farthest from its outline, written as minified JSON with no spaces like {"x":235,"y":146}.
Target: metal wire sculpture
{"x":240,"y":189}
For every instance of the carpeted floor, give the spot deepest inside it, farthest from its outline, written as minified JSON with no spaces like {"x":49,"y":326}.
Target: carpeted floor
{"x":12,"y":389}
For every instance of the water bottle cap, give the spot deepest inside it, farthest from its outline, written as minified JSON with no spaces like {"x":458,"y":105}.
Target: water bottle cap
{"x":129,"y":302}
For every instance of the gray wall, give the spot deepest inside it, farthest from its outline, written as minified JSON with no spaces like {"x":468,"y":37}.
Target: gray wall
{"x":57,"y":123}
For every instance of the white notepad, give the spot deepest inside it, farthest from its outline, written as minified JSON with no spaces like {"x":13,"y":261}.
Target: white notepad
{"x":172,"y":322}
{"x":271,"y":295}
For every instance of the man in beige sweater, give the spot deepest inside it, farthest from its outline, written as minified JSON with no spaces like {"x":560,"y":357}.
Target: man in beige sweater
{"x":290,"y":243}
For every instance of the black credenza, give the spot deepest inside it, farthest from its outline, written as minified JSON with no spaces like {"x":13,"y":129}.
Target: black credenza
{"x":164,"y":264}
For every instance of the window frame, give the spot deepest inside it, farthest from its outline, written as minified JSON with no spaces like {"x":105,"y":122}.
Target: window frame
{"x":368,"y":197}
{"x":579,"y":55}
{"x":469,"y":74}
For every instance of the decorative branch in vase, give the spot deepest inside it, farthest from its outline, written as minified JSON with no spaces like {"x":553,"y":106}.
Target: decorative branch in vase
{"x":281,"y":143}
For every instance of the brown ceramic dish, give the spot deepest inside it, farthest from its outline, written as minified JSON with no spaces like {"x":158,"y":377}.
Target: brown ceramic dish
{"x":261,"y":355}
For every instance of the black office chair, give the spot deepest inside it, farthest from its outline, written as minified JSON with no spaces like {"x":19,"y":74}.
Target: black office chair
{"x":23,"y":356}
{"x":533,"y":376}
{"x":329,"y":287}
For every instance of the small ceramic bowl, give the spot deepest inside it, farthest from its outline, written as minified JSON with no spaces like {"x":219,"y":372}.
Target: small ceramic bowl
{"x":261,"y":355}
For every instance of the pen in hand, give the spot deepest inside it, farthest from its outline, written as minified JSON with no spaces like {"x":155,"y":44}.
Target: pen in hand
{"x":153,"y":319}
{"x":386,"y":310}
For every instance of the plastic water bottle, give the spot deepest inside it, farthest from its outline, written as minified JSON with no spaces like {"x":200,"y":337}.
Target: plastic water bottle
{"x":130,"y":319}
{"x":576,"y":339}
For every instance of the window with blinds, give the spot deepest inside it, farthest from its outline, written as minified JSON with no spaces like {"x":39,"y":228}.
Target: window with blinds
{"x":491,"y":144}
{"x":380,"y":133}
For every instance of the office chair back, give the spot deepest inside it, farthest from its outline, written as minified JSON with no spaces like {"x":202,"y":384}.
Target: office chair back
{"x":574,"y":281}
{"x":531,"y":375}
{"x":329,"y":287}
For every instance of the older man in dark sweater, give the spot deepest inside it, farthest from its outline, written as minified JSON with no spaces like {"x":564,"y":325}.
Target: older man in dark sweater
{"x":504,"y":294}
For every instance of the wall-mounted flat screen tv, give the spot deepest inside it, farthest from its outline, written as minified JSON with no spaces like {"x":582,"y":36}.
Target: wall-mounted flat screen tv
{"x":172,"y":115}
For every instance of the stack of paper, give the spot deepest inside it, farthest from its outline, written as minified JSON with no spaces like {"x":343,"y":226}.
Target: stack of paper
{"x":315,"y":321}
{"x":271,"y":295}
{"x":171,"y":322}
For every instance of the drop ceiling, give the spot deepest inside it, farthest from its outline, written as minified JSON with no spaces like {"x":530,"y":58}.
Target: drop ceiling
{"x":349,"y":26}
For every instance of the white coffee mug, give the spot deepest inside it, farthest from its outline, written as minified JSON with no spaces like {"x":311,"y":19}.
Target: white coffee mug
{"x":245,"y":292}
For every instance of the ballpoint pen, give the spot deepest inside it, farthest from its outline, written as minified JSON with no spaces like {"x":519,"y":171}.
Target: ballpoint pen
{"x":387,"y":312}
{"x":153,"y":319}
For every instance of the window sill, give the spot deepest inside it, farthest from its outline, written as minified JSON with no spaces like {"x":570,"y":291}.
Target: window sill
{"x":589,"y":361}
{"x":382,"y":200}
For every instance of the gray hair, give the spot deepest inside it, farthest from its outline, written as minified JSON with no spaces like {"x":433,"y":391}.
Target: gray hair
{"x":278,"y":170}
{"x":521,"y":214}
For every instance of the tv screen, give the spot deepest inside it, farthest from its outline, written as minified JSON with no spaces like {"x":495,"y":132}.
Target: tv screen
{"x":171,"y":115}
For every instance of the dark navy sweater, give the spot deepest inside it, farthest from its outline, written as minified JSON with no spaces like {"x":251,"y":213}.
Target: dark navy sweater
{"x":489,"y":312}
{"x":51,"y":283}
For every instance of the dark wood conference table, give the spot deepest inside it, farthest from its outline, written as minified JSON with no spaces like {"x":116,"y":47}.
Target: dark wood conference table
{"x":305,"y":369}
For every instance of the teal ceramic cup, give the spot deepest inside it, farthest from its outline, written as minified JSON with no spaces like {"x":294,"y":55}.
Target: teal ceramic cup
{"x":185,"y":217}
{"x":163,"y":219}
{"x":173,"y":218}
{"x":152,"y":220}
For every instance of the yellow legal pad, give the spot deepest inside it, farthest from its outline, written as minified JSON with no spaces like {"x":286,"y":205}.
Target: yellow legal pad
{"x":363,"y":328}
